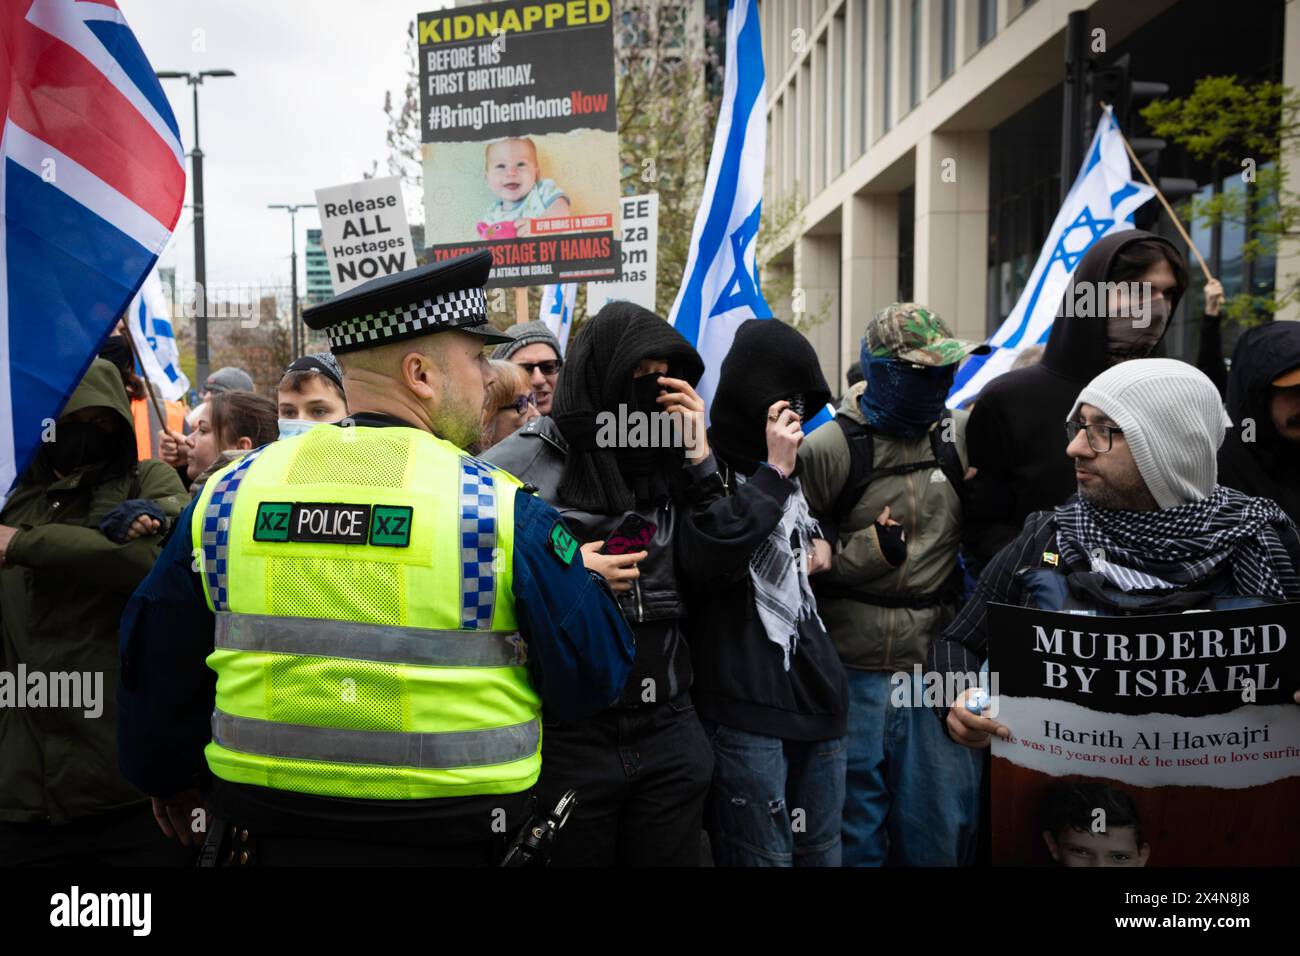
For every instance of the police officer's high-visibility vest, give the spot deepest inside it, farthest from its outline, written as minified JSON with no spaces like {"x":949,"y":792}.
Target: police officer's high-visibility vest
{"x":366,"y":643}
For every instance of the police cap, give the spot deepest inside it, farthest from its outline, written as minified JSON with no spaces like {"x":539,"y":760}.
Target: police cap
{"x":437,"y":297}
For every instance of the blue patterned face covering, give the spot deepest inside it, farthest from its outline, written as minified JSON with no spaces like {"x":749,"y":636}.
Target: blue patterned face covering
{"x":903,"y":399}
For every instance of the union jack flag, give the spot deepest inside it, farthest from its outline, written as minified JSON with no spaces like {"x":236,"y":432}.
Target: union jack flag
{"x":92,"y":180}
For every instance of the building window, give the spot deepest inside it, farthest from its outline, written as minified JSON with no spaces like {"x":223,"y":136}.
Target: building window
{"x":887,"y":68}
{"x":864,"y":87}
{"x":988,"y":20}
{"x":842,"y":111}
{"x":805,"y":127}
{"x":948,"y":39}
{"x":914,"y":55}
{"x":906,"y":241}
{"x":823,"y":104}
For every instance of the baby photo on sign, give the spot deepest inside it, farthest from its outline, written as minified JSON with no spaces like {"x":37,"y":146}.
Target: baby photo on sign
{"x":520,"y":186}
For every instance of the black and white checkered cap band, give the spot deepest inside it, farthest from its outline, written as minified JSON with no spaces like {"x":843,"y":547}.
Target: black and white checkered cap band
{"x":447,"y":311}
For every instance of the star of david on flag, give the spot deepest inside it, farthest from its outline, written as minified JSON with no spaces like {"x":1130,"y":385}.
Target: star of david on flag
{"x":1101,"y":201}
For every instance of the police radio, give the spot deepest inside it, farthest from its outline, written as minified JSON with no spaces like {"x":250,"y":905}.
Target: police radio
{"x":536,"y":839}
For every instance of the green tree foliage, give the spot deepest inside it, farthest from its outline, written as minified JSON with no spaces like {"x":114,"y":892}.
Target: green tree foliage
{"x":1250,"y":130}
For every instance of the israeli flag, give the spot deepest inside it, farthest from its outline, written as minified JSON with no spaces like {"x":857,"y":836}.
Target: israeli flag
{"x":720,"y":286}
{"x":557,"y":310}
{"x":1101,"y":201}
{"x":150,"y":324}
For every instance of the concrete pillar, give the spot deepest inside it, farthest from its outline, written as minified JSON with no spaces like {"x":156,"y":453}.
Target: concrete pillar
{"x":817,"y":289}
{"x":952,"y":227}
{"x":1288,"y":252}
{"x":868,"y":270}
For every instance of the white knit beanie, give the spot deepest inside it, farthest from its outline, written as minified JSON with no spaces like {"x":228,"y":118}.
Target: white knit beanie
{"x":1173,"y":421}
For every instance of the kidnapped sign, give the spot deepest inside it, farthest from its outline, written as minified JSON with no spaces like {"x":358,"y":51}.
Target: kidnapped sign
{"x":364,"y":231}
{"x":1170,"y":718}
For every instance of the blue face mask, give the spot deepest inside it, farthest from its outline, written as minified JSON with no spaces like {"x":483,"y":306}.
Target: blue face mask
{"x":294,"y":426}
{"x":903,"y":399}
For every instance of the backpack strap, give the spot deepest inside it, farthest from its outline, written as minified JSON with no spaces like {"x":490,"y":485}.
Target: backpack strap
{"x":945,"y":454}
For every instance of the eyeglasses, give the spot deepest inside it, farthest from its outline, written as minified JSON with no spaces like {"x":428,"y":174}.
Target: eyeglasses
{"x":520,"y":405}
{"x":548,"y":368}
{"x":1100,"y":436}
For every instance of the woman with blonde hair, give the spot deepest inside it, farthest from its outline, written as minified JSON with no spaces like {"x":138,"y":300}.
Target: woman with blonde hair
{"x":508,"y":405}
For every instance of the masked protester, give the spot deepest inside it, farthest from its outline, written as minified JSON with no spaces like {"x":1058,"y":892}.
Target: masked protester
{"x":80,"y":530}
{"x":1117,"y":308}
{"x":1150,"y":530}
{"x":884,"y":482}
{"x":623,"y":457}
{"x":1261,"y":454}
{"x":310,"y":393}
{"x":768,"y":683}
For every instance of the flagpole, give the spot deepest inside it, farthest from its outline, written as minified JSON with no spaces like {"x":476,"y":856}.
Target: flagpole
{"x":148,"y":387}
{"x":1163,"y":201}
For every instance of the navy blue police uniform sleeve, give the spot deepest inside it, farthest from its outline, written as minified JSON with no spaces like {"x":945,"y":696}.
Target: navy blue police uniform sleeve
{"x":580,"y":649}
{"x":165,"y":689}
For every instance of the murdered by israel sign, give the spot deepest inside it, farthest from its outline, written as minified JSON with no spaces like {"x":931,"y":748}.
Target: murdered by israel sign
{"x":1179,"y":729}
{"x":364,"y":231}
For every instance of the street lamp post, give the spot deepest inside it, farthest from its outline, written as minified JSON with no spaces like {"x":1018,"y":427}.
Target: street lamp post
{"x":297,"y":341}
{"x":200,"y":253}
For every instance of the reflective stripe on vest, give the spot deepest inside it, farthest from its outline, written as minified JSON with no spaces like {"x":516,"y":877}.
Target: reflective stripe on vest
{"x":443,"y":751}
{"x":318,"y":637}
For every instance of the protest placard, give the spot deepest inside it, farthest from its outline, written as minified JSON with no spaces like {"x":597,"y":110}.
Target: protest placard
{"x":520,"y":129}
{"x":1168,"y":740}
{"x":639,"y":256}
{"x":364,"y":231}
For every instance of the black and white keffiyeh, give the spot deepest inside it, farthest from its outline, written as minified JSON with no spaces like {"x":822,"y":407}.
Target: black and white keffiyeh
{"x":1181,"y":547}
{"x":779,"y":572}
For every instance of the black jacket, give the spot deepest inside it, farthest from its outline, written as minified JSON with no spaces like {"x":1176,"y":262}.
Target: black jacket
{"x":740,"y":675}
{"x":1016,"y":433}
{"x":1269,"y":465}
{"x":654,"y":607}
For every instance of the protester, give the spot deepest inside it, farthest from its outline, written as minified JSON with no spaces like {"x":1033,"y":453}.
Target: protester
{"x":1261,"y":454}
{"x":536,"y":350}
{"x":643,"y":766}
{"x":230,"y":424}
{"x":149,"y":431}
{"x":1150,"y":529}
{"x":1015,"y":423}
{"x":227,"y":379}
{"x":885,"y":482}
{"x":509,"y":404}
{"x":310,"y":393}
{"x":79,"y":531}
{"x":768,"y":683}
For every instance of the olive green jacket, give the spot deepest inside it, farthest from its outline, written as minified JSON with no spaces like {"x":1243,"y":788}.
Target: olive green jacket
{"x":62,"y":589}
{"x":870,"y":636}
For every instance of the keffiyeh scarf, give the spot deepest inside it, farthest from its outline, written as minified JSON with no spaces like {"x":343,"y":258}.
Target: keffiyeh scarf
{"x":780,"y":576}
{"x":1178,"y":548}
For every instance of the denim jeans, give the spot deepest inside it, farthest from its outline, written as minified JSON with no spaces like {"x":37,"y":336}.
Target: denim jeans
{"x":774,"y":802}
{"x":912,"y":794}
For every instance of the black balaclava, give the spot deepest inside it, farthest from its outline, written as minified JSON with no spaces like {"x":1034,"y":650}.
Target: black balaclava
{"x":597,"y":377}
{"x":768,"y":361}
{"x":1078,"y":346}
{"x":82,"y":444}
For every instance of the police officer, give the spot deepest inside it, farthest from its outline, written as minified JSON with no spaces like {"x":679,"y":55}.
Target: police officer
{"x":382,"y":615}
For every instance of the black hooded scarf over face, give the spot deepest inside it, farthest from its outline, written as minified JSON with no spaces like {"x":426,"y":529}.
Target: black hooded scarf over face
{"x":597,"y":377}
{"x":1078,"y":347}
{"x":1269,"y":466}
{"x":768,"y":361}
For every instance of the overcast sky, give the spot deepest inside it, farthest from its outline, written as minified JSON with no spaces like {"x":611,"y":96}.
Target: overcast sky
{"x":304,"y":111}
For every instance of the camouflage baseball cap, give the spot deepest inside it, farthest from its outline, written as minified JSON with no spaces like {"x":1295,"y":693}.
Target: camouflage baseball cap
{"x":912,"y":333}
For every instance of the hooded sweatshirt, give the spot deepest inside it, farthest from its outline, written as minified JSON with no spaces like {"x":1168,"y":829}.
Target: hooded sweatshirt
{"x":1268,"y":466}
{"x":1016,"y":432}
{"x":741,"y":679}
{"x":62,"y":591}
